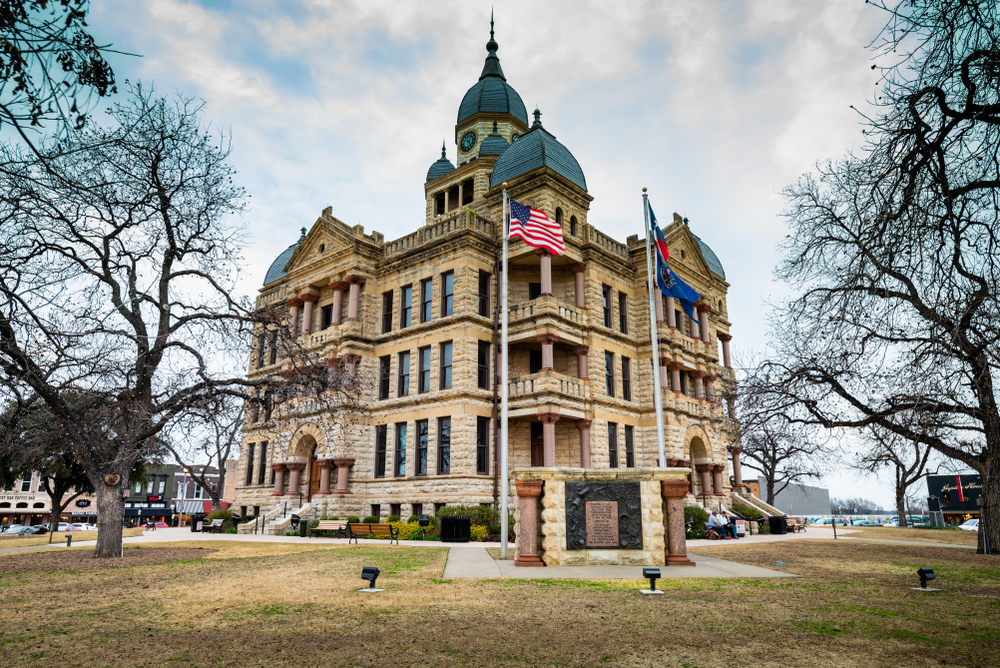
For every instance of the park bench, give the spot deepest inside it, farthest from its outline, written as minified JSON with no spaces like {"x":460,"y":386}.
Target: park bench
{"x":338,"y":528}
{"x":355,"y":530}
{"x":215,"y":526}
{"x":794,"y":525}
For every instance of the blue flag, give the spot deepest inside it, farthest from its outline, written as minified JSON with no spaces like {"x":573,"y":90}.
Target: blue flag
{"x":672,"y":286}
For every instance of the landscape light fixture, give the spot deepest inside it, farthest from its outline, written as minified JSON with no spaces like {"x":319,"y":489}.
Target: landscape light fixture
{"x":925,"y":575}
{"x":370,"y":573}
{"x":423,"y":521}
{"x":652,"y":574}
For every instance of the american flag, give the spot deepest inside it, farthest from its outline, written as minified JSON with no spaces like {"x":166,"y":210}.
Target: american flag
{"x":536,"y":229}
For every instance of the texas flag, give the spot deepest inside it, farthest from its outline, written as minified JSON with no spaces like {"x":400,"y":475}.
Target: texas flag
{"x":658,"y":239}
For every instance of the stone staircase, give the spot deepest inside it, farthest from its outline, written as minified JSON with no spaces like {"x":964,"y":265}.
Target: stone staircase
{"x":276,"y":521}
{"x":757,"y":504}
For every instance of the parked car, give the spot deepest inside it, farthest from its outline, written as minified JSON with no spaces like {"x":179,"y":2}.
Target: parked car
{"x":970,"y":525}
{"x":829,"y":522}
{"x":83,"y":526}
{"x":159,"y":525}
{"x":13,"y":526}
{"x":18,"y":530}
{"x":866,"y":523}
{"x":63,"y":526}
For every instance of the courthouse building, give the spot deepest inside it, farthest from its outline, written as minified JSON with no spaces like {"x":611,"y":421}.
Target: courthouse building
{"x":419,"y":315}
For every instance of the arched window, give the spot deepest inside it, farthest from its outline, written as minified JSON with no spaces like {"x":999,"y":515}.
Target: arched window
{"x":559,"y":216}
{"x":21,"y":505}
{"x":5,"y":504}
{"x":572,"y":226}
{"x":38,"y":505}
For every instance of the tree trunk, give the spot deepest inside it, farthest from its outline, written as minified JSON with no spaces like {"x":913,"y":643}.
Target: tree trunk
{"x":989,"y":515}
{"x":770,"y":490}
{"x":111,"y":515}
{"x":56,"y":506}
{"x":901,"y":507}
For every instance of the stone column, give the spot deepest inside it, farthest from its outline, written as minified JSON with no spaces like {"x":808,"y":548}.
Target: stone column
{"x":581,"y":359}
{"x":726,"y":338}
{"x":528,"y":492}
{"x":324,"y":475}
{"x":731,"y":403}
{"x":584,"y":427}
{"x":461,"y":194}
{"x":279,"y":479}
{"x":309,"y":298}
{"x":352,"y":361}
{"x":706,"y":477}
{"x":717,"y":478}
{"x":675,"y":376}
{"x":294,"y":471}
{"x":664,"y":382}
{"x":447,"y":193}
{"x":547,"y":341}
{"x":293,"y":316}
{"x":699,"y":387}
{"x":671,"y":314}
{"x":548,"y":421}
{"x":352,"y":307}
{"x":737,"y":472}
{"x":338,"y":300}
{"x":695,"y":332}
{"x":673,"y":492}
{"x":581,"y":288}
{"x":546,"y":262}
{"x":703,"y":311}
{"x":343,"y":466}
{"x":710,"y":387}
{"x":658,"y":305}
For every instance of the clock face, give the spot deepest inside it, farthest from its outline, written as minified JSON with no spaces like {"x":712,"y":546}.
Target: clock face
{"x":468,"y":141}
{"x":514,"y":137}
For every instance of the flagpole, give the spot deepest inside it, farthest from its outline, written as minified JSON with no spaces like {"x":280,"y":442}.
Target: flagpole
{"x":657,"y":392}
{"x":504,"y":483}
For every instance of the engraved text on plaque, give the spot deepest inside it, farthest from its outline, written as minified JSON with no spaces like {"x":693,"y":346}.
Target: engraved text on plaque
{"x":602,"y":523}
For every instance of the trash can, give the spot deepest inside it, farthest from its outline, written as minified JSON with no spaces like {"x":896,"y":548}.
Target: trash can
{"x":303,"y":528}
{"x":456,"y":529}
{"x":778,"y":524}
{"x":197,"y":521}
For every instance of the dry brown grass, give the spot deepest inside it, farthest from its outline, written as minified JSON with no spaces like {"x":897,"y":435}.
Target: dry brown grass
{"x":301,"y":608}
{"x":59,"y":537}
{"x":949,"y":536}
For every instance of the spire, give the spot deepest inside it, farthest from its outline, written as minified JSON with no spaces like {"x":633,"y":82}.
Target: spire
{"x":495,"y":125}
{"x":538,"y":119}
{"x":303,"y":234}
{"x":443,"y":155}
{"x":492,"y":66}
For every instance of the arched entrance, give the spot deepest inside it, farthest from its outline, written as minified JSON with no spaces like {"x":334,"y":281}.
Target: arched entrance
{"x":313,"y":474}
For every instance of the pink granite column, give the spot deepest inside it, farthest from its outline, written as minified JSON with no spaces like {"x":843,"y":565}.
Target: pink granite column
{"x":343,"y":466}
{"x":581,"y":359}
{"x":293,"y":316}
{"x":324,"y":475}
{"x":309,"y":298}
{"x":528,"y":492}
{"x":726,"y":338}
{"x":658,"y":305}
{"x":737,"y":472}
{"x":584,"y":427}
{"x":706,"y":477}
{"x":338,"y":301}
{"x":548,"y":421}
{"x":710,"y":387}
{"x":673,"y":492}
{"x":352,"y":362}
{"x":717,"y":478}
{"x":699,"y":387}
{"x":279,"y":479}
{"x":547,"y":341}
{"x":546,"y":267}
{"x":355,"y":299}
{"x":664,"y":378}
{"x":671,"y":314}
{"x":581,"y":289}
{"x":703,"y":311}
{"x":294,"y":471}
{"x":675,"y":376}
{"x":695,"y":332}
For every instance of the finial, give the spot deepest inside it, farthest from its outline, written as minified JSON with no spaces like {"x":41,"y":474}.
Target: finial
{"x":643,"y":190}
{"x":503,"y":185}
{"x":303,"y":234}
{"x":538,"y":119}
{"x":495,"y":125}
{"x":685,"y":221}
{"x":492,"y":67}
{"x":491,"y":24}
{"x":443,"y":155}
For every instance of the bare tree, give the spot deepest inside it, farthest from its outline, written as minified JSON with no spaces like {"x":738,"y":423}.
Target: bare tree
{"x":895,"y":252}
{"x":203,"y":439}
{"x":854,"y":506}
{"x":117,"y":263}
{"x":908,"y":460}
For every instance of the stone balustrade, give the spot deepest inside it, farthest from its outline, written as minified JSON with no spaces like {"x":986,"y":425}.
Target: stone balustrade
{"x":547,"y":382}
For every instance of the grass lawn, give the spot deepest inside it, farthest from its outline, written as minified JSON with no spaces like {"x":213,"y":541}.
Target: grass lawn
{"x":271,"y":604}
{"x":950,"y":536}
{"x":59,"y":537}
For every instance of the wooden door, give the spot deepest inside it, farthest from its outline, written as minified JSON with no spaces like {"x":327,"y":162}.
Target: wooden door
{"x":314,"y":474}
{"x":537,"y":445}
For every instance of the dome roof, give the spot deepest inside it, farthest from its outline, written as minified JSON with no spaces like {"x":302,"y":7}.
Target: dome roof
{"x":277,"y":268}
{"x":441,"y":167}
{"x":492,"y":93}
{"x":536,"y":148}
{"x":494,"y":144}
{"x":711,"y":259}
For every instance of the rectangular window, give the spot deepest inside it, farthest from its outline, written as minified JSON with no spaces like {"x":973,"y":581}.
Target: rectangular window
{"x":534,"y":290}
{"x":197,"y":491}
{"x":606,"y":303}
{"x":424,"y":370}
{"x":404,"y":375}
{"x":444,"y":446}
{"x":537,"y":444}
{"x":484,"y":293}
{"x":683,"y":326}
{"x":250,"y":453}
{"x":447,"y":294}
{"x":609,"y":373}
{"x":399,"y":467}
{"x":383,"y":376}
{"x":326,"y":316}
{"x":444,"y":378}
{"x":262,"y":471}
{"x":629,"y":446}
{"x":163,"y":484}
{"x":381,"y":434}
{"x":426,"y":293}
{"x":180,"y":490}
{"x":395,"y":509}
{"x":377,"y":512}
{"x":572,"y":226}
{"x":406,"y":307}
{"x":261,"y":348}
{"x":623,"y":312}
{"x":26,"y":486}
{"x":422,"y":435}
{"x":417,"y":509}
{"x":149,"y":487}
{"x":272,"y":347}
{"x":254,"y":413}
{"x":684,"y":383}
{"x":613,"y":445}
{"x":387,"y":312}
{"x":534,"y":361}
{"x":483,"y":368}
{"x":483,"y":445}
{"x":626,"y":379}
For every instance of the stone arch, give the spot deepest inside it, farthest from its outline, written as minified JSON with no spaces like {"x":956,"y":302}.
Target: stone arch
{"x":305,"y":440}
{"x":697,"y":445}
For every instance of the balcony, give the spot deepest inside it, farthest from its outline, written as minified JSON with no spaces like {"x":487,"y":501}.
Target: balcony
{"x":547,"y":386}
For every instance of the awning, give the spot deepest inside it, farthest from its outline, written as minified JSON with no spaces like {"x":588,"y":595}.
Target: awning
{"x":195,"y":507}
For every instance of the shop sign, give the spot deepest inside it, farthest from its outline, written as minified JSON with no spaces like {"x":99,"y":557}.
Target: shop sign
{"x":83,"y":503}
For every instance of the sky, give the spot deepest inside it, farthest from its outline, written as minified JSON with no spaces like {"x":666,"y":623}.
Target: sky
{"x":714,"y":106}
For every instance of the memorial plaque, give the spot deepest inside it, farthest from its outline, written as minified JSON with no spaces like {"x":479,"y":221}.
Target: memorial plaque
{"x":603,"y":515}
{"x":602,"y":523}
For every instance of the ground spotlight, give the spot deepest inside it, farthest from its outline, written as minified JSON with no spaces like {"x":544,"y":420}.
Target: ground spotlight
{"x":652,"y":574}
{"x":370,"y":573}
{"x":925,"y":575}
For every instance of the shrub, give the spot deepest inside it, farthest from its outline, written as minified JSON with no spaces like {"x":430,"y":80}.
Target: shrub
{"x":482,"y":516}
{"x":331,"y":517}
{"x":291,"y":533}
{"x":764,"y":527}
{"x":478,"y":534}
{"x":699,"y":516}
{"x":748,"y":512}
{"x":353,"y":519}
{"x":313,"y":524}
{"x":231,"y":530}
{"x":392,"y":518}
{"x":220,"y":514}
{"x":413,"y":519}
{"x":370,"y":519}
